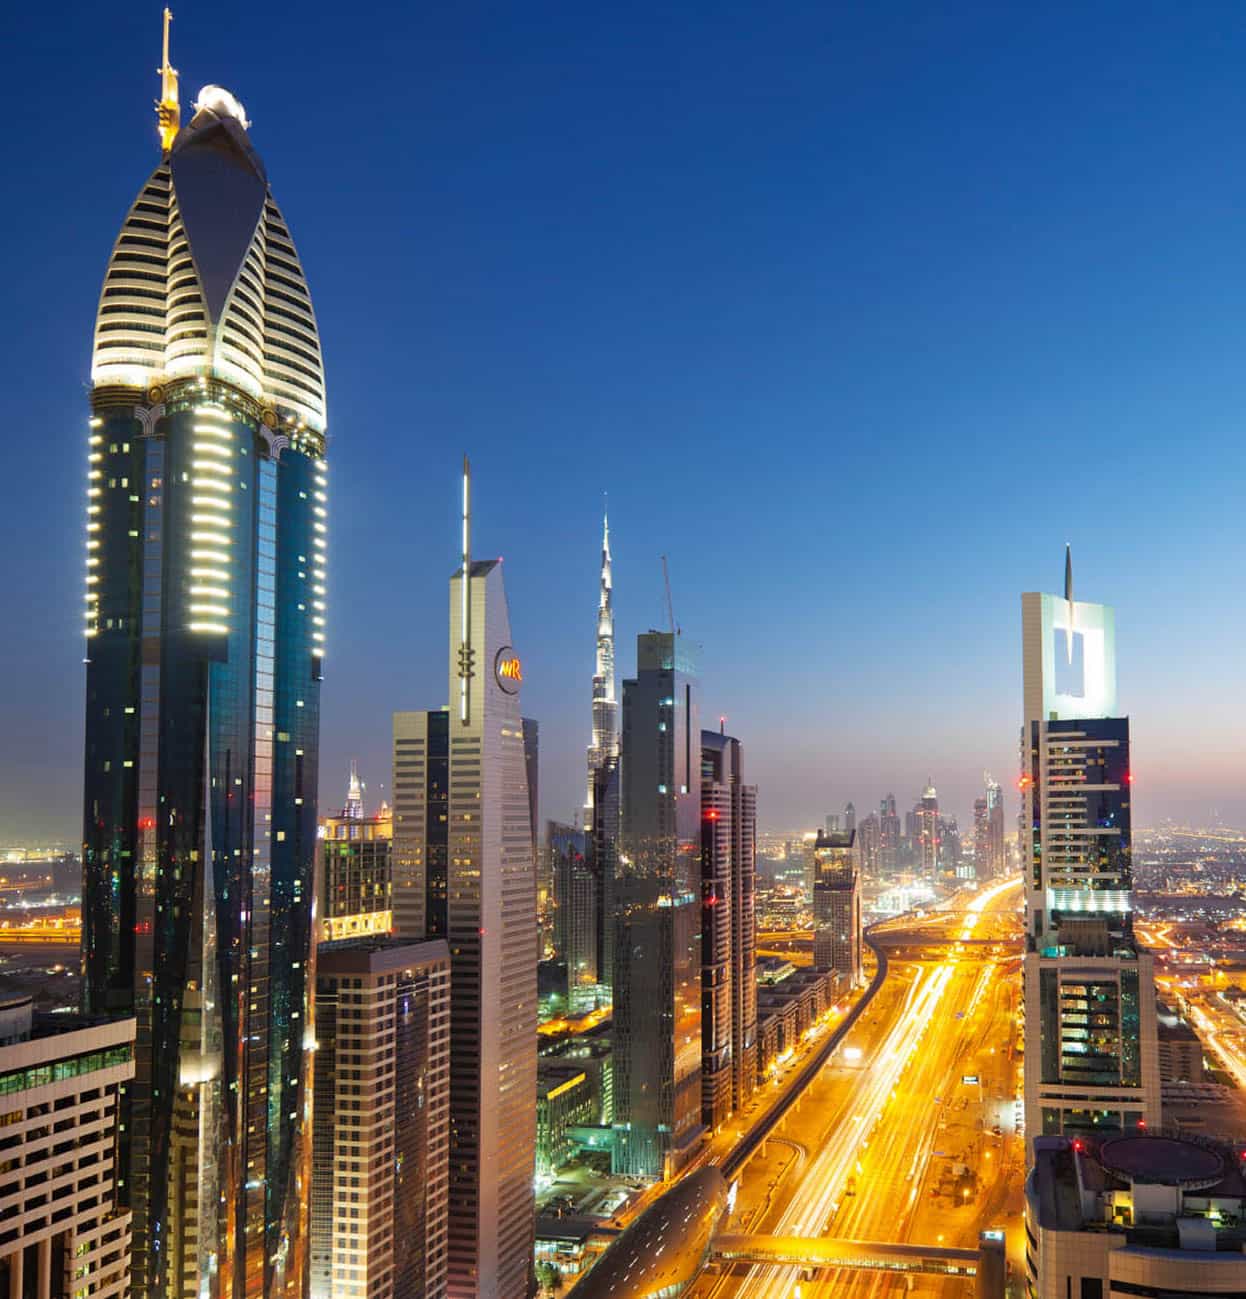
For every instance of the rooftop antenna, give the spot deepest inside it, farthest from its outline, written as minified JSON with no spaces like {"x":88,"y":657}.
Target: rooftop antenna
{"x":670,"y":604}
{"x":168,"y":109}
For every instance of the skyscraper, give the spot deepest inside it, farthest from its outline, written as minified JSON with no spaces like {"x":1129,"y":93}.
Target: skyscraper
{"x":981,"y":839}
{"x":575,"y":913}
{"x":996,"y":853}
{"x":850,"y":817}
{"x":888,"y":835}
{"x":381,"y":1136}
{"x":837,"y":904}
{"x":1091,"y":1047}
{"x":728,"y":937}
{"x":205,"y":616}
{"x":605,"y":743}
{"x":868,"y":846}
{"x":657,"y":915}
{"x":464,"y":870}
{"x":927,"y":814}
{"x":601,"y":810}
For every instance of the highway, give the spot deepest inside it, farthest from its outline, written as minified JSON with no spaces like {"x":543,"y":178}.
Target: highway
{"x":902,"y":1147}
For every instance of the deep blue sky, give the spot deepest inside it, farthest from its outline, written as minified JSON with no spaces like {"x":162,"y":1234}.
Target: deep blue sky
{"x":857,"y":312}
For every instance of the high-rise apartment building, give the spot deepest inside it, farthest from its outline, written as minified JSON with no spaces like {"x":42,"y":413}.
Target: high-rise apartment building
{"x":463,"y":870}
{"x":837,"y":905}
{"x":981,"y":841}
{"x":888,"y":835}
{"x":205,"y":617}
{"x":354,"y":873}
{"x":62,"y":1228}
{"x":869,"y":846}
{"x":657,"y":915}
{"x":603,"y":844}
{"x":996,"y":853}
{"x":850,"y":817}
{"x":728,"y":937}
{"x":926,"y":815}
{"x":1090,"y":1027}
{"x":381,"y":1136}
{"x":575,"y":913}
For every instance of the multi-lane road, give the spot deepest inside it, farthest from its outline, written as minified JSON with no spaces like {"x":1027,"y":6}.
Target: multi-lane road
{"x":895,"y":1139}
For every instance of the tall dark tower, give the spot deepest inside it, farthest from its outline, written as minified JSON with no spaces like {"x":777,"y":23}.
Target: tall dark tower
{"x":205,"y":614}
{"x":657,"y":916}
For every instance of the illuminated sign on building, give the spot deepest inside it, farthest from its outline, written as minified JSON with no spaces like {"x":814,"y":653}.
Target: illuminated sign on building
{"x":508,"y":670}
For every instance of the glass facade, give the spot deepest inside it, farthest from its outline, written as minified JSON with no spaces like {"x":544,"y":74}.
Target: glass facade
{"x":200,"y":783}
{"x":205,"y":615}
{"x":657,"y":917}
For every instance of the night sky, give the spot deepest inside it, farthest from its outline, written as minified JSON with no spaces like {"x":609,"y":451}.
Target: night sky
{"x":857,"y":312}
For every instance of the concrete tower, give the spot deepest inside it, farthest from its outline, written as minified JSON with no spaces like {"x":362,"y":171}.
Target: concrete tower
{"x":463,"y":869}
{"x":1091,"y":1053}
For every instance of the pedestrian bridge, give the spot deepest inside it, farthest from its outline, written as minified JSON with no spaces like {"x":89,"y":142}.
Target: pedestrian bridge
{"x":820,"y":1252}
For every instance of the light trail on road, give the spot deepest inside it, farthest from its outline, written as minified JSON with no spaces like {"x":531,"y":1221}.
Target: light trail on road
{"x":821,"y":1188}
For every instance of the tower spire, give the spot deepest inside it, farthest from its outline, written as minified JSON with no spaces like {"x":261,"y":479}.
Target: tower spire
{"x":605,"y":743}
{"x":168,"y":110}
{"x":354,"y":793}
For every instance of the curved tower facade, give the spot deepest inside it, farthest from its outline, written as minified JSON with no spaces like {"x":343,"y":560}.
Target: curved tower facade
{"x":205,"y":615}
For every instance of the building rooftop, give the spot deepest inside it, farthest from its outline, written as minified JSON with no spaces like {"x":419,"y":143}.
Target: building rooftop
{"x":1145,"y":1185}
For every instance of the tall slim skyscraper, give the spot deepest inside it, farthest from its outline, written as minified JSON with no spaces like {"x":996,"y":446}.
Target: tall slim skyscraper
{"x":981,"y":840}
{"x":657,"y":914}
{"x":728,"y":937}
{"x":1091,"y":1050}
{"x":888,"y":835}
{"x":927,"y":814}
{"x":575,"y":913}
{"x":463,"y":869}
{"x":996,"y":852}
{"x":605,"y":743}
{"x":850,"y":817}
{"x":868,"y":846}
{"x":205,"y":617}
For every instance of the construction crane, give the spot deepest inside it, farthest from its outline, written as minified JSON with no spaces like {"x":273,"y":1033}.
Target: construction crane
{"x":670,"y":604}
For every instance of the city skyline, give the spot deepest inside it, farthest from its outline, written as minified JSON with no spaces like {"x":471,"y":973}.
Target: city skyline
{"x":780,"y":370}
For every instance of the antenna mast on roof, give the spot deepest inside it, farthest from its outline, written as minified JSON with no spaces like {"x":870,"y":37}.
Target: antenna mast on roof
{"x":168,"y":110}
{"x":670,"y":604}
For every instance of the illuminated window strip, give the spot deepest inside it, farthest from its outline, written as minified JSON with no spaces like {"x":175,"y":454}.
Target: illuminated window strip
{"x":220,"y":592}
{"x":216,"y":628}
{"x":212,"y":538}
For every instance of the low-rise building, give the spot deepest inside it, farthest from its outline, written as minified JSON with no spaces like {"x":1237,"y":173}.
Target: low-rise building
{"x":1135,"y":1215}
{"x":1180,"y":1050}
